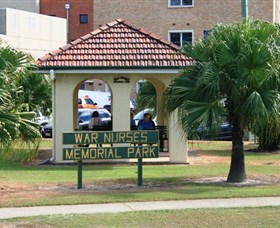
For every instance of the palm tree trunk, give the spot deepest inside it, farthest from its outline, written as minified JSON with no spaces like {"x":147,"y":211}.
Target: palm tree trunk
{"x":237,"y":166}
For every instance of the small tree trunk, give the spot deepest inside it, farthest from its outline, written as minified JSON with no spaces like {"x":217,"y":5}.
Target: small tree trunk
{"x":237,"y":166}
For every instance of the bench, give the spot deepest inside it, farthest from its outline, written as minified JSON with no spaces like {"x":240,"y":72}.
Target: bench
{"x":162,"y":131}
{"x":102,"y":128}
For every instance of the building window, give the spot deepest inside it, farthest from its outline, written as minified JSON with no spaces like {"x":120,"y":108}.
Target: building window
{"x":180,"y":3}
{"x":181,"y":38}
{"x":83,"y":18}
{"x":206,"y":33}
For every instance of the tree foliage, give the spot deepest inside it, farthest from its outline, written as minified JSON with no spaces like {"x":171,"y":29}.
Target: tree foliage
{"x":234,"y":77}
{"x":19,"y":96}
{"x":36,"y":94}
{"x":146,"y":97}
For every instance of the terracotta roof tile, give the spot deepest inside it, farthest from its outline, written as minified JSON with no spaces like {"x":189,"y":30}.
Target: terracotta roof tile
{"x":76,"y":41}
{"x":104,"y":27}
{"x":116,"y":44}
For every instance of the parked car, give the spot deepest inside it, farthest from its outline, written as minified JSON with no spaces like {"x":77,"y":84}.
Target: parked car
{"x":84,"y":116}
{"x":46,"y":130}
{"x":86,"y":102}
{"x":108,"y":107}
{"x":41,"y":120}
{"x":224,"y":132}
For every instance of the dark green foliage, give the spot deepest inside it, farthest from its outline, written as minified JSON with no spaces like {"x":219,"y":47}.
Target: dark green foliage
{"x":147,"y":97}
{"x":15,"y":119}
{"x":235,"y":77}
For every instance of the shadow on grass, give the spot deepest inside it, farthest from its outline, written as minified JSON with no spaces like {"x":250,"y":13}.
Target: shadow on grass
{"x":30,"y":166}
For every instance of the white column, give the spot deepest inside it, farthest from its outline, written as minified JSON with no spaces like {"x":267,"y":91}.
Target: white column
{"x":120,"y":108}
{"x":120,"y":105}
{"x":62,"y":111}
{"x":177,"y":147}
{"x":52,"y":77}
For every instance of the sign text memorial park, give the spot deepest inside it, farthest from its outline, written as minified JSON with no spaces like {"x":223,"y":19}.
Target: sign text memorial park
{"x":141,"y":144}
{"x":144,"y":139}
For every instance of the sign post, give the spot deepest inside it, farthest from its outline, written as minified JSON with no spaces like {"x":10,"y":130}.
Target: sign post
{"x":80,"y":174}
{"x":145,"y":140}
{"x":140,"y":172}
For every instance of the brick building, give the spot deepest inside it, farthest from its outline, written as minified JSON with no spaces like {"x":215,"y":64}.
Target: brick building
{"x":180,"y":21}
{"x":175,"y":20}
{"x":79,"y":14}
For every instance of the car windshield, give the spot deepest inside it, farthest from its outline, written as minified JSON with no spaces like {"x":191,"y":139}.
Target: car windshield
{"x":104,"y":114}
{"x":88,"y":101}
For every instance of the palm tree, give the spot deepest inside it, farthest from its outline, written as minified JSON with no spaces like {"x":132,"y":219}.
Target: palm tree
{"x":146,"y":97}
{"x":14,"y":123}
{"x":36,"y":92}
{"x":234,"y":77}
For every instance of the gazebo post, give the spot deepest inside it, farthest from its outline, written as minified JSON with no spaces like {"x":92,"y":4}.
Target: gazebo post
{"x":177,"y":142}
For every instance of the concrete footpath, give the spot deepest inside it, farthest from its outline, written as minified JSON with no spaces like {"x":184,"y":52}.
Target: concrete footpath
{"x":137,"y":206}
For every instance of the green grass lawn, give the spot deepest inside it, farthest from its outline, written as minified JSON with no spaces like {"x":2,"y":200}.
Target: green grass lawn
{"x":57,"y":184}
{"x":46,"y":143}
{"x":29,"y":185}
{"x":234,"y":217}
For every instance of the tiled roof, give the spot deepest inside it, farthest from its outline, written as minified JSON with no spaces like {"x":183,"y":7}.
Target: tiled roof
{"x":116,"y":44}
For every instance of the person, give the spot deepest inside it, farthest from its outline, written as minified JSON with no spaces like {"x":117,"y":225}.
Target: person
{"x":151,"y":119}
{"x":146,"y":123}
{"x":94,"y":121}
{"x":132,"y":122}
{"x":110,"y":124}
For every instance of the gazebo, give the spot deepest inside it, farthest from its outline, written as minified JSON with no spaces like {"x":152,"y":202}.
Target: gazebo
{"x":120,"y":55}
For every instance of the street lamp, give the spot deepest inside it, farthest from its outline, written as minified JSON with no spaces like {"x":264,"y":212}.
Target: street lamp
{"x":67,"y":7}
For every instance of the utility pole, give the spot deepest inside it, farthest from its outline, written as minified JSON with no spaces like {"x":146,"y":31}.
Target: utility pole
{"x":244,"y":6}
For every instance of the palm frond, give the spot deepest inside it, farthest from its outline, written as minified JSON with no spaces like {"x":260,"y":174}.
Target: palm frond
{"x":146,"y":97}
{"x":238,"y":63}
{"x":196,"y":114}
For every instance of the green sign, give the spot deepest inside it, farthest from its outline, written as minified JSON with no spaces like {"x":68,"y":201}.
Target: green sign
{"x":109,"y":137}
{"x":89,"y":153}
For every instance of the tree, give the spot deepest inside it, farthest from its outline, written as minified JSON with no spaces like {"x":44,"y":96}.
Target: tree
{"x":146,"y":97}
{"x":36,"y":95}
{"x":268,"y":134}
{"x":234,"y":77}
{"x":14,"y":122}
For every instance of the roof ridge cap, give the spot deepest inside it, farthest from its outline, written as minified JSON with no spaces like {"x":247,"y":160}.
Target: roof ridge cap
{"x":169,"y":43}
{"x":55,"y":52}
{"x":120,"y":20}
{"x":150,"y":34}
{"x":106,"y":26}
{"x":159,"y":38}
{"x":80,"y":39}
